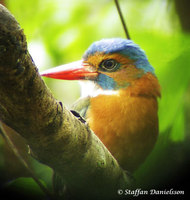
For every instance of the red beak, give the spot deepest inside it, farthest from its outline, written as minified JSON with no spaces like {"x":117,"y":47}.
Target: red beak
{"x":73,"y":71}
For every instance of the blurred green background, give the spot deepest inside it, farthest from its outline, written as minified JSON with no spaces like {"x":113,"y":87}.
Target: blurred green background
{"x":60,"y":31}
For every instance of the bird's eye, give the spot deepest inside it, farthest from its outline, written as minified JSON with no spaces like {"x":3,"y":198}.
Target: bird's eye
{"x":109,"y":65}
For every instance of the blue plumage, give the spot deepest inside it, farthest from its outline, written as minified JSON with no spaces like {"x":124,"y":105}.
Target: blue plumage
{"x":121,"y":46}
{"x":106,"y":82}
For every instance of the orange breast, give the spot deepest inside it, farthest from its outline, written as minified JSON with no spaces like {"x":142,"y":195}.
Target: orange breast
{"x":126,"y":123}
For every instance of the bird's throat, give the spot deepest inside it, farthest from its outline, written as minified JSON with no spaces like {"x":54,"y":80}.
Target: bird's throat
{"x":91,"y":89}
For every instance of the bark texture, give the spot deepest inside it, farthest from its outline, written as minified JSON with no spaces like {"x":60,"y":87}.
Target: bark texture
{"x":55,"y":136}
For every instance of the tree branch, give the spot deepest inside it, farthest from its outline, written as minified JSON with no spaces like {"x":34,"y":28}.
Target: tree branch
{"x":55,"y":136}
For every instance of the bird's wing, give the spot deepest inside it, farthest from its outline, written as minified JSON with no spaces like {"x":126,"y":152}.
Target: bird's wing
{"x":81,"y":106}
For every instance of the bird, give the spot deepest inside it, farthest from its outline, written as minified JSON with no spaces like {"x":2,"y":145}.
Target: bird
{"x":124,"y":115}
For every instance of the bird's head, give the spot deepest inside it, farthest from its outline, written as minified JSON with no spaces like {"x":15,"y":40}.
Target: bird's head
{"x":111,"y":63}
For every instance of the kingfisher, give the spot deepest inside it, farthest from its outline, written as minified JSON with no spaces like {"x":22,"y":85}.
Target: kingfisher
{"x":123,"y":112}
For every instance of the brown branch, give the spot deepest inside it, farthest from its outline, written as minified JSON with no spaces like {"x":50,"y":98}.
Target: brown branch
{"x":122,"y":20}
{"x":55,"y":136}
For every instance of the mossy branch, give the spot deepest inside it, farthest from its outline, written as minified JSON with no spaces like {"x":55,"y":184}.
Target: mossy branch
{"x":56,"y":137}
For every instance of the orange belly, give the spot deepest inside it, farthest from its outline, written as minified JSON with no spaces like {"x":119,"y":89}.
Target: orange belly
{"x":126,"y":124}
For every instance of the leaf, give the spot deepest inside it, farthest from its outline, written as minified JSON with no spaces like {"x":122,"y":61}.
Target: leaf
{"x":26,"y":187}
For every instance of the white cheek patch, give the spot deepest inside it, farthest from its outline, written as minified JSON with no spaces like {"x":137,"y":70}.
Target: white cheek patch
{"x":89,"y":88}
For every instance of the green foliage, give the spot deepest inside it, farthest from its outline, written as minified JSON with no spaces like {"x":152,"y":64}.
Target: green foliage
{"x":26,"y":186}
{"x":63,"y":29}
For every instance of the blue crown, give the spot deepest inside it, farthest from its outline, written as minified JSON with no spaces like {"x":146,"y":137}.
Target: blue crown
{"x":121,"y":46}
